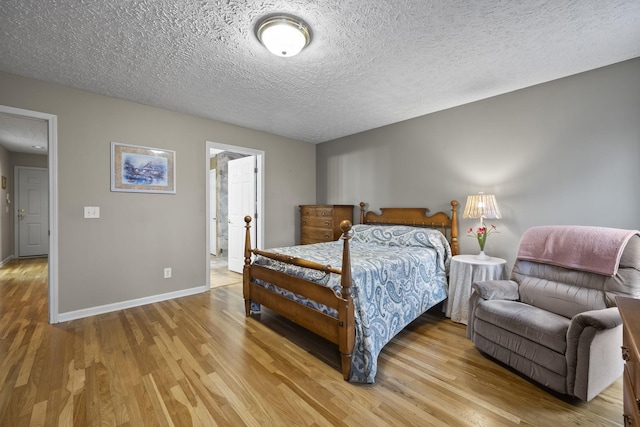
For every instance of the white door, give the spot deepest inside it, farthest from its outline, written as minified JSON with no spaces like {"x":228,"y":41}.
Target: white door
{"x":213,"y":211}
{"x":242,"y":202}
{"x":33,"y":212}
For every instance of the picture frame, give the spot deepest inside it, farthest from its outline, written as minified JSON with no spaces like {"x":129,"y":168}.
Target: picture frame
{"x":141,"y":169}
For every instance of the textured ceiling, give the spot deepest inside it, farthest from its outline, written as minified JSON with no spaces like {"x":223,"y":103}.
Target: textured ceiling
{"x":370,"y":63}
{"x":23,"y":135}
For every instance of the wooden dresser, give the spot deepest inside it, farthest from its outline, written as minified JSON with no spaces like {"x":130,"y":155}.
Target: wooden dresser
{"x":321,"y":223}
{"x":630,"y":313}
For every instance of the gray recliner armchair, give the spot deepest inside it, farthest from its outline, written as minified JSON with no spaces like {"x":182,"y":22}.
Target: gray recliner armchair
{"x":556,"y":320}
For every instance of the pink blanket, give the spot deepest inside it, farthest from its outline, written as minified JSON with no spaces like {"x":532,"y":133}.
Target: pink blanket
{"x":594,"y":249}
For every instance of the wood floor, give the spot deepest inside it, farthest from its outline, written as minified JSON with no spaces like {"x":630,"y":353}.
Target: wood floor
{"x":198,"y":361}
{"x":222,"y":276}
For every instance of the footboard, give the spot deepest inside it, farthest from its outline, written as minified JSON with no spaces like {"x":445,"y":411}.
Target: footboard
{"x":339,"y":330}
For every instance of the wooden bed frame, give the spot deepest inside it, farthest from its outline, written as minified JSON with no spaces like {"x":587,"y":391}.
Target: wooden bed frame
{"x":340,"y":330}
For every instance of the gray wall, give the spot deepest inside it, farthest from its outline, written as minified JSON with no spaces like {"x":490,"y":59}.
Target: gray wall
{"x":121,"y":256}
{"x":29,"y":160}
{"x":563,"y":152}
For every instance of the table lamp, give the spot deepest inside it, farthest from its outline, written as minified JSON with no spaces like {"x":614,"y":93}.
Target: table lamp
{"x":482,"y":206}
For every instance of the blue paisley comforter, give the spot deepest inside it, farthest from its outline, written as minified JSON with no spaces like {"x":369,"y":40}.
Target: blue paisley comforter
{"x":398,"y":273}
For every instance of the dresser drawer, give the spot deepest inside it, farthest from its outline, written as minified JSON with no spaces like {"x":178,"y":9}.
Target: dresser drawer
{"x":630,"y":313}
{"x":321,"y":223}
{"x":316,"y":234}
{"x":317,"y":221}
{"x":632,"y":362}
{"x":316,"y":211}
{"x":308,"y":241}
{"x":630,"y":403}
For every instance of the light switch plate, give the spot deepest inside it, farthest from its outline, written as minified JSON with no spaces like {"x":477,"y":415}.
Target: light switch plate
{"x":91,"y":212}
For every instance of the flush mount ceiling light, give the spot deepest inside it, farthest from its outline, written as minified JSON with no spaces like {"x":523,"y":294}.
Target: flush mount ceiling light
{"x":283,"y":35}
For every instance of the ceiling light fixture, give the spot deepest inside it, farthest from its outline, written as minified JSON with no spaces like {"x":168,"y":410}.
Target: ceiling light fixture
{"x":283,"y":35}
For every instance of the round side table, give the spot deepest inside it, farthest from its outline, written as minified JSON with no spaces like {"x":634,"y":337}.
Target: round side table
{"x":464,"y":270}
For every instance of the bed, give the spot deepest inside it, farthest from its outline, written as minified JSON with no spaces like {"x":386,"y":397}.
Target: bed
{"x":393,"y":267}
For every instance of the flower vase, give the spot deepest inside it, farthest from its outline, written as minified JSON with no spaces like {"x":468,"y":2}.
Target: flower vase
{"x":482,"y":256}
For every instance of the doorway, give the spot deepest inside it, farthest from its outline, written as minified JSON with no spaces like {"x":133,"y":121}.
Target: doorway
{"x":241,"y":201}
{"x":51,"y":200}
{"x":32,"y":219}
{"x":218,"y":156}
{"x":213,"y":213}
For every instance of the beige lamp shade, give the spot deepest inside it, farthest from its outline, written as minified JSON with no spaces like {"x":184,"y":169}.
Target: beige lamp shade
{"x":481,"y":206}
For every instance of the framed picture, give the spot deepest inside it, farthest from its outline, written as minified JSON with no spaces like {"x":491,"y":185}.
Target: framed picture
{"x":142,"y":169}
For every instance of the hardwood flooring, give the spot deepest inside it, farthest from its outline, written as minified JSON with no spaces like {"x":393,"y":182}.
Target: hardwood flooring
{"x":224,"y":277}
{"x":198,"y":361}
{"x":220,"y":275}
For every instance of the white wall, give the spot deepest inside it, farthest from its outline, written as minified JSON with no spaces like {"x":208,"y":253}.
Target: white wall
{"x":563,"y":152}
{"x":121,"y":256}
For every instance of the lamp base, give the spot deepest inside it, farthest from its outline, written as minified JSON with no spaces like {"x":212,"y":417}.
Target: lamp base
{"x":482,"y":256}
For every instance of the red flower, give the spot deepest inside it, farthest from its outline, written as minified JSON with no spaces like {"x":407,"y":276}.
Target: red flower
{"x":481,"y":234}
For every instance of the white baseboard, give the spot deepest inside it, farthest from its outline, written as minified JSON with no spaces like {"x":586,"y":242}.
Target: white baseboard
{"x":108,"y":308}
{"x":6,"y":260}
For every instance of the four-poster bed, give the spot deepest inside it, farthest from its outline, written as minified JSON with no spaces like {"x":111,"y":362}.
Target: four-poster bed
{"x":351,"y":306}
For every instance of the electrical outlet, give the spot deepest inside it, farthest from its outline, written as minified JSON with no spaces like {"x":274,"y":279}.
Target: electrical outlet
{"x":167,"y":273}
{"x":91,"y":212}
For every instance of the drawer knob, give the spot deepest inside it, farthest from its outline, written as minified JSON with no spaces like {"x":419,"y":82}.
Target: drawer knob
{"x":327,"y":223}
{"x":304,"y":222}
{"x":625,"y":353}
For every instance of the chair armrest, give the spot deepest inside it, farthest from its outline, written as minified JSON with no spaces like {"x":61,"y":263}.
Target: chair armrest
{"x":497,"y":289}
{"x":593,"y":351}
{"x":607,"y":318}
{"x":489,"y":290}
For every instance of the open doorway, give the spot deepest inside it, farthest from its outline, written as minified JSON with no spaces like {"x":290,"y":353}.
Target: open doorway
{"x":31,"y":198}
{"x":16,"y":118}
{"x":227,"y":246}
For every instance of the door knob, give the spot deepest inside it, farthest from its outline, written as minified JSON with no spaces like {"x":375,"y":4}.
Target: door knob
{"x":21,"y":214}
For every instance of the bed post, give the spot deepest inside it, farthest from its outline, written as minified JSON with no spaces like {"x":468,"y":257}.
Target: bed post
{"x":346,"y":323}
{"x":246,"y":276}
{"x":454,"y":227}
{"x":362,"y":205}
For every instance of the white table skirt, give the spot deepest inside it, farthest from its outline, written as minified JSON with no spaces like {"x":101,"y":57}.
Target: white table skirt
{"x":464,"y":270}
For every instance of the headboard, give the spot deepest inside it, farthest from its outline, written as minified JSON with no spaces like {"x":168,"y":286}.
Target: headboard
{"x":416,"y":217}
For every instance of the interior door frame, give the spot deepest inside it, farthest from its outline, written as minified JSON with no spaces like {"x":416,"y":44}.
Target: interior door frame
{"x":259,"y":223}
{"x":52,"y":163}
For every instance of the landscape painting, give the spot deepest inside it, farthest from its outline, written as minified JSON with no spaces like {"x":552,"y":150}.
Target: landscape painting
{"x":142,"y":169}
